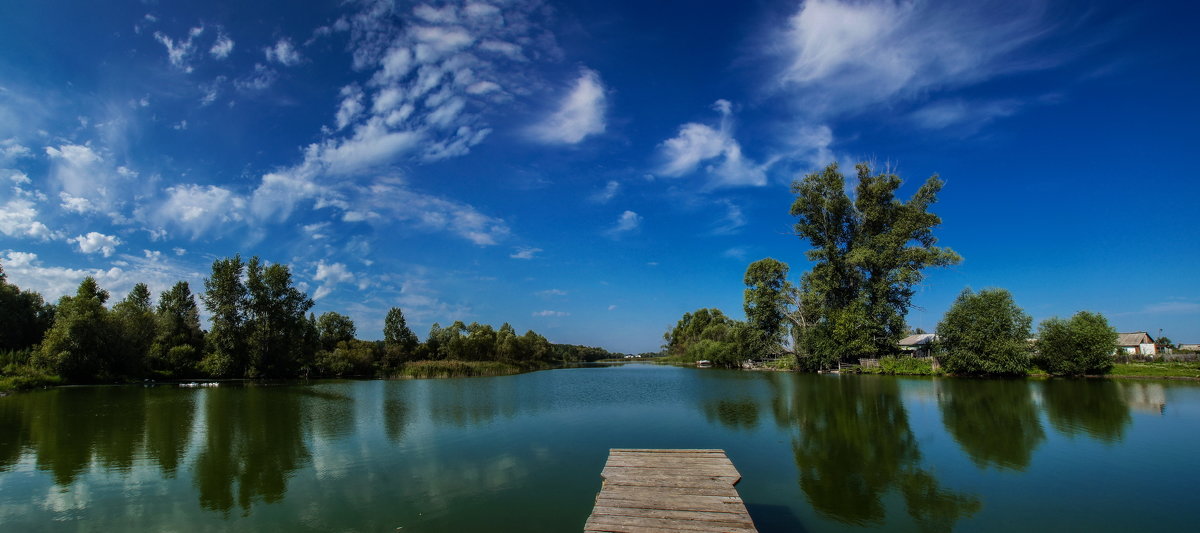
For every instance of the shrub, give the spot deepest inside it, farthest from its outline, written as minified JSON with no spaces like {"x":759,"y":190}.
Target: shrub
{"x":1082,"y":345}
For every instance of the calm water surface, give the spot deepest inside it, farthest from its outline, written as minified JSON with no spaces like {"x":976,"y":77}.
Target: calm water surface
{"x":524,"y":453}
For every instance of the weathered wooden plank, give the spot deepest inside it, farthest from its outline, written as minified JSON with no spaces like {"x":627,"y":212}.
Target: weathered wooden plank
{"x":735,"y":519}
{"x":669,"y":490}
{"x":669,"y":450}
{"x":609,"y":521}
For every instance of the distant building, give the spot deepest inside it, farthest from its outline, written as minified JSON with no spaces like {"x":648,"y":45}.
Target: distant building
{"x":1136,"y":343}
{"x":1189,"y":347}
{"x":919,"y":345}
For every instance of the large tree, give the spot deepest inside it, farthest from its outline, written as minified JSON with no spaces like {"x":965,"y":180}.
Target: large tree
{"x":1082,"y":345}
{"x":24,"y":316}
{"x":984,"y":333}
{"x":179,"y":344}
{"x":765,"y":299}
{"x":869,"y":252}
{"x":225,"y":298}
{"x":134,"y":320}
{"x":275,"y":321}
{"x":79,"y":346}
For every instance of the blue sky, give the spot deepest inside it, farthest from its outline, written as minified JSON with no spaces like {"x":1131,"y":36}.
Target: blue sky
{"x":592,"y":170}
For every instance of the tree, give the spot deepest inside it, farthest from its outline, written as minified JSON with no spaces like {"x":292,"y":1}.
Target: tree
{"x":869,"y":253}
{"x":396,"y":334}
{"x":179,"y":343}
{"x":24,"y":316}
{"x":1082,"y":345}
{"x":78,"y":346}
{"x":335,"y":328}
{"x":710,"y":324}
{"x":225,"y":298}
{"x":136,"y":328}
{"x":984,"y":333}
{"x":764,"y":299}
{"x":275,"y":321}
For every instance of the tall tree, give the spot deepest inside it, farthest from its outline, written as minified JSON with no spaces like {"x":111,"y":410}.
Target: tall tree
{"x":275,"y":321}
{"x":24,"y":316}
{"x":136,"y":328}
{"x":225,"y":298}
{"x":765,"y":298}
{"x":78,"y":346}
{"x":869,"y":253}
{"x":179,"y":344}
{"x":397,"y":337}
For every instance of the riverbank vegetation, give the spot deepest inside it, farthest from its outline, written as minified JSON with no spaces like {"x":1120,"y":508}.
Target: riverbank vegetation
{"x":869,"y":251}
{"x":260,"y":327}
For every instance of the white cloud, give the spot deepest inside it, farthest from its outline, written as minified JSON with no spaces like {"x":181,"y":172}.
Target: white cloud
{"x":525,"y":253}
{"x":330,"y":275}
{"x":97,"y":242}
{"x":222,"y":47}
{"x":1178,"y":307}
{"x":178,"y":51}
{"x":198,"y":210}
{"x":259,"y":79}
{"x":283,"y":52}
{"x":605,"y":195}
{"x":737,"y":252}
{"x":18,"y":177}
{"x":551,"y":292}
{"x":27,"y":271}
{"x":627,"y":222}
{"x":960,"y":113}
{"x":612,"y":307}
{"x":11,"y":150}
{"x":697,"y":144}
{"x":548,"y":312}
{"x":75,"y":204}
{"x":844,"y":56}
{"x":84,"y":174}
{"x":579,"y":115}
{"x":18,"y":218}
{"x":180,"y":126}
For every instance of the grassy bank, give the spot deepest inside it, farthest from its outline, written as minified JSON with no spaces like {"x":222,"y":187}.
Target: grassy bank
{"x":902,"y":366}
{"x":25,"y":378}
{"x":1182,"y":369}
{"x":464,"y":369}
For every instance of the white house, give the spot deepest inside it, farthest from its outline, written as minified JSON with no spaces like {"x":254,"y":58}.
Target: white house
{"x":1136,"y":343}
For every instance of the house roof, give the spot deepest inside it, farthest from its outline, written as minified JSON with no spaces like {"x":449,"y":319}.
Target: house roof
{"x":919,"y":339}
{"x":1134,"y":339}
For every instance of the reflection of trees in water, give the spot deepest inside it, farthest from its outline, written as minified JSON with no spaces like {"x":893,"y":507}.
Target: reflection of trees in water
{"x":994,"y":421}
{"x":733,"y":414}
{"x":395,"y":415}
{"x":853,"y":444}
{"x":330,"y":411}
{"x":169,"y":416}
{"x":252,"y":439}
{"x":1094,"y":407}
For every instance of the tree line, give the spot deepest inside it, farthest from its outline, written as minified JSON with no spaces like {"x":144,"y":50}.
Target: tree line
{"x":260,"y":327}
{"x":869,"y":251}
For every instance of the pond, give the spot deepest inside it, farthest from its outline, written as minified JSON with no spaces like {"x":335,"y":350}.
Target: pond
{"x":524,"y":452}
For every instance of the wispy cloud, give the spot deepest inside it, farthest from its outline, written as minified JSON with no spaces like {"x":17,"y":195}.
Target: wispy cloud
{"x":605,"y":195}
{"x":733,"y":220}
{"x":222,"y":47}
{"x":551,"y":292}
{"x":179,"y":51}
{"x":628,"y":221}
{"x":715,"y":148}
{"x":548,"y":312}
{"x":580,"y":114}
{"x":525,"y":253}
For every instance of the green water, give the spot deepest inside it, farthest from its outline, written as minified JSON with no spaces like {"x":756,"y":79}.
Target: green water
{"x":524,"y":453}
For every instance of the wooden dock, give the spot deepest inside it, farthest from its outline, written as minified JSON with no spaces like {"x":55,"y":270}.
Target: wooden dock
{"x":669,"y":490}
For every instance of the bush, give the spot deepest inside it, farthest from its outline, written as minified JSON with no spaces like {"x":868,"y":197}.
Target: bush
{"x":903,"y":365}
{"x":1082,"y":345}
{"x":984,"y":333}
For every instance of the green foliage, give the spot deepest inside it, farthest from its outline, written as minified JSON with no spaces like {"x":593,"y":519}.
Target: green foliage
{"x":702,"y":324}
{"x":869,"y":254}
{"x":136,"y":330}
{"x":984,"y":333}
{"x":179,"y":344}
{"x":24,"y":316}
{"x":275,"y":321}
{"x":79,"y":346}
{"x":335,"y":328}
{"x":764,"y":299}
{"x":225,"y":298}
{"x":454,"y":369}
{"x":1082,"y":345}
{"x":350,"y":358}
{"x":399,"y":342}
